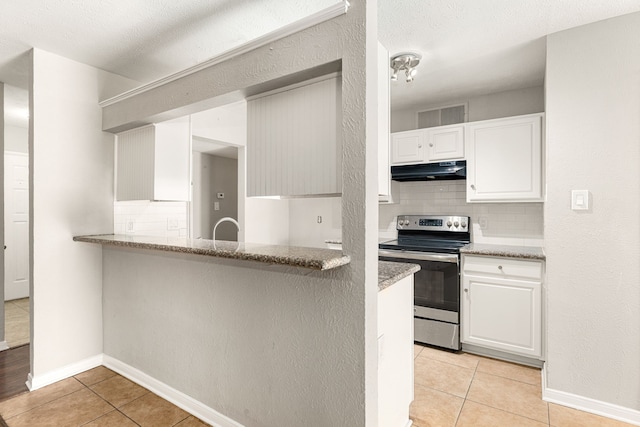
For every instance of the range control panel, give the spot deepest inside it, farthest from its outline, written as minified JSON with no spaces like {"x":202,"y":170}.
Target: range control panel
{"x":433,"y":222}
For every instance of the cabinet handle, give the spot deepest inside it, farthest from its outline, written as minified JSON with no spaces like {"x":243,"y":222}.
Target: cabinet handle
{"x":419,"y":145}
{"x":466,"y":290}
{"x":499,"y":267}
{"x":430,"y":145}
{"x":473,"y":187}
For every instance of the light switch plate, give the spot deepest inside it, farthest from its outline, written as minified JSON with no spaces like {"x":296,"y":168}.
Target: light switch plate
{"x":580,"y":200}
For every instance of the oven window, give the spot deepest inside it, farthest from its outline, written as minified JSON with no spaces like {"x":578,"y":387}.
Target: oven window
{"x":436,"y":285}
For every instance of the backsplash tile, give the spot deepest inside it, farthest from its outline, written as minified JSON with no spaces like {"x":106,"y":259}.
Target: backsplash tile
{"x":493,"y":223}
{"x":151,"y":218}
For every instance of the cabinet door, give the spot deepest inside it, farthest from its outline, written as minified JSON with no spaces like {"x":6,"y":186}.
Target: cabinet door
{"x":135,"y":164}
{"x":502,"y":314}
{"x":384,"y":168}
{"x":445,"y":143}
{"x":395,"y":353}
{"x":407,"y":147}
{"x":294,"y":141}
{"x":504,"y":160}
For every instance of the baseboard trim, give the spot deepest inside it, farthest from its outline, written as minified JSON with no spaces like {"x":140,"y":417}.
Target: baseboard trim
{"x":194,"y":407}
{"x":34,"y":383}
{"x":587,"y":404}
{"x":4,"y":346}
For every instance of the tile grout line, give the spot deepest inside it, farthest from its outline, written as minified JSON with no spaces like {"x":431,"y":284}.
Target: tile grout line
{"x":475,"y":370}
{"x":44,"y":403}
{"x":504,"y":410}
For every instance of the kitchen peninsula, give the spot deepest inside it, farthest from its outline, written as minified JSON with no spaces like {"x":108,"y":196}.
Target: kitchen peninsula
{"x":223,"y":310}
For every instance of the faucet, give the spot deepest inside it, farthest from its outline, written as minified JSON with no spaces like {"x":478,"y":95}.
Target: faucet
{"x":225,"y":219}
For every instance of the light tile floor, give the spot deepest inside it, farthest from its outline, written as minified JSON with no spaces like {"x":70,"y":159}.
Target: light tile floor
{"x":451,"y":390}
{"x":464,"y":390}
{"x":98,"y":397}
{"x":16,"y":322}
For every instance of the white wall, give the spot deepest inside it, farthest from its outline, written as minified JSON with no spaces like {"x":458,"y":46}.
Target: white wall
{"x":491,"y":106}
{"x":71,"y":186}
{"x":16,"y":139}
{"x":593,"y":257}
{"x":502,"y":223}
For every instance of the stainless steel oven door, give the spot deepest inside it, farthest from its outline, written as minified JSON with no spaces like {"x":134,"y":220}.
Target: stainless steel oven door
{"x":437,"y":284}
{"x":436,"y":296}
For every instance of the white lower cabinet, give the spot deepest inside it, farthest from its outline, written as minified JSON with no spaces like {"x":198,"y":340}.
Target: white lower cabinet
{"x":395,"y":353}
{"x":501,"y":304}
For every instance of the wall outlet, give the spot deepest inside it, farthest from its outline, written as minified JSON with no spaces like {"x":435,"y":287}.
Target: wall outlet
{"x":173,"y":224}
{"x":482,"y":222}
{"x":319,"y":219}
{"x":220,"y":195}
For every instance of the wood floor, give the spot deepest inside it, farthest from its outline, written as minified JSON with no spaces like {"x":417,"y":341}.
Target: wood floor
{"x":14,"y":368}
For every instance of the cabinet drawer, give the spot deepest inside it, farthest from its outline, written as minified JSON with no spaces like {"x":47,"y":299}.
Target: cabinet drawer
{"x":502,"y":267}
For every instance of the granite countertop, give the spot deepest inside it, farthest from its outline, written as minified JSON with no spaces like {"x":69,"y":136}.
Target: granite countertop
{"x":524,"y":252}
{"x":391,"y":272}
{"x":295,"y":256}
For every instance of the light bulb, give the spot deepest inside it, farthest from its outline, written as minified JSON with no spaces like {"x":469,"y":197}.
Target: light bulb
{"x":394,"y":76}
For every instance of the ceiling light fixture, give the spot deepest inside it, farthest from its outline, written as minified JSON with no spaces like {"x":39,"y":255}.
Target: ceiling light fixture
{"x":407,"y":62}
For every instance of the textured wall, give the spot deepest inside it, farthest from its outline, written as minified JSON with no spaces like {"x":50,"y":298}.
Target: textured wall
{"x":331,"y":342}
{"x":255,"y":342}
{"x":593,"y":257}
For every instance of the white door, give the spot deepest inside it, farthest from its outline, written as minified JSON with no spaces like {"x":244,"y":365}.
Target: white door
{"x":16,"y":225}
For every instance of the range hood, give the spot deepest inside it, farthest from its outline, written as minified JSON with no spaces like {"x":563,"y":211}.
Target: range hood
{"x":430,"y":171}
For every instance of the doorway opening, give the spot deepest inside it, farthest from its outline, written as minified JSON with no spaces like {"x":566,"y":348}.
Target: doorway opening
{"x":16,"y":306}
{"x":214,"y":189}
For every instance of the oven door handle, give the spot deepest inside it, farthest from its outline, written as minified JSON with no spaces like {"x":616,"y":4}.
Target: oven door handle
{"x":419,"y":256}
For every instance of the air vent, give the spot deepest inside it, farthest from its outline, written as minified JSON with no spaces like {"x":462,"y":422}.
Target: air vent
{"x":442,"y":116}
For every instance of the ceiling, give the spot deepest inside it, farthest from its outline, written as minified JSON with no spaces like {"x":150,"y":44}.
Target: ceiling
{"x":469,"y":47}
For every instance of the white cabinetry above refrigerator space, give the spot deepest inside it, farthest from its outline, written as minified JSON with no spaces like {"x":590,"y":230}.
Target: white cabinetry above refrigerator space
{"x":152,"y":162}
{"x":504,"y":160}
{"x":428,"y":145}
{"x":294,"y":143}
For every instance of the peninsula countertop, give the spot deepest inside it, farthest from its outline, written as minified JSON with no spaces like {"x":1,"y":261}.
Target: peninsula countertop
{"x":312,"y":258}
{"x":295,"y":256}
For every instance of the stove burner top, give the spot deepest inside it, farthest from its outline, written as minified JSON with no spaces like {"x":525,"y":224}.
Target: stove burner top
{"x":430,"y":233}
{"x":424,"y":245}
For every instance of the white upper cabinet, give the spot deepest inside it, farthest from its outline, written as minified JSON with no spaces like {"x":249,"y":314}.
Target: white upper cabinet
{"x":407,"y":147}
{"x":153,"y":162}
{"x":504,"y":160}
{"x":294,"y":143}
{"x":384,"y":135}
{"x":445,"y":143}
{"x":428,"y":145}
